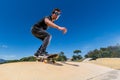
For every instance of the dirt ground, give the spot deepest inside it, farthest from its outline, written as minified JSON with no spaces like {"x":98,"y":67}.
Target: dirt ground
{"x":109,"y":62}
{"x":59,"y":71}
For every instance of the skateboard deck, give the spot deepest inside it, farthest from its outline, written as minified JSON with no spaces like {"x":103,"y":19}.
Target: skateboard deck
{"x":49,"y":59}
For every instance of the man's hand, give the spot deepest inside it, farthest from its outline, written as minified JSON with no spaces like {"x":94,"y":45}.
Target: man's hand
{"x":63,"y":29}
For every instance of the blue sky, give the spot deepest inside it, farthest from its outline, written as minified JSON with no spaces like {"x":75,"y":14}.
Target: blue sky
{"x":91,"y":24}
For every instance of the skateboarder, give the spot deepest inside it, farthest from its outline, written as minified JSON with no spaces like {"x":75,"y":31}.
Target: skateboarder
{"x":39,"y":31}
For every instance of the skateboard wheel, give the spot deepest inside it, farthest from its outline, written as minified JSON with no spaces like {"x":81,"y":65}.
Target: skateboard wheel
{"x":45,"y":61}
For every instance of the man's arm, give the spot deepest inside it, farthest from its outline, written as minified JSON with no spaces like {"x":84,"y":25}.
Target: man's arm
{"x":50,"y":23}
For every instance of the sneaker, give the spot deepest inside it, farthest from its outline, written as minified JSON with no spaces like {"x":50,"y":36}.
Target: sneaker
{"x":36,"y":55}
{"x":44,"y":54}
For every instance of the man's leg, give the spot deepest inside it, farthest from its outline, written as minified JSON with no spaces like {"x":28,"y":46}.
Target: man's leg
{"x":45,"y":37}
{"x":46,"y":41}
{"x":38,"y":51}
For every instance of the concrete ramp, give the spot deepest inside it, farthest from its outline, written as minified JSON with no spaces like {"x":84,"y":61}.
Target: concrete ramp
{"x":60,"y":71}
{"x":111,"y":75}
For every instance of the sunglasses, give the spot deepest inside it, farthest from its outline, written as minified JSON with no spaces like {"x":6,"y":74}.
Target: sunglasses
{"x":56,"y":13}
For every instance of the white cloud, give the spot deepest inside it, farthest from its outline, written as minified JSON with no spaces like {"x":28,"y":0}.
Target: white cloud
{"x":8,"y":57}
{"x":3,"y":46}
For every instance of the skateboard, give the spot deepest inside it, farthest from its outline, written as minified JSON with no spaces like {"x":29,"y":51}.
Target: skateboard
{"x":49,"y":59}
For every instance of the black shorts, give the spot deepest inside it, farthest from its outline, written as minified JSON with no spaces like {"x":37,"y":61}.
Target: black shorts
{"x":40,"y":33}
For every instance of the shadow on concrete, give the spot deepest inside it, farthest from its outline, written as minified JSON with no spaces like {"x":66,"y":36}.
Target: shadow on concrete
{"x":70,"y":64}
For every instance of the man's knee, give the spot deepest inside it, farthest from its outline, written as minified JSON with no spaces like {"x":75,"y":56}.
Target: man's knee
{"x":49,"y":36}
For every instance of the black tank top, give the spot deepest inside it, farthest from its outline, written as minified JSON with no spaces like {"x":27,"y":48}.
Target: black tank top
{"x":41,"y":24}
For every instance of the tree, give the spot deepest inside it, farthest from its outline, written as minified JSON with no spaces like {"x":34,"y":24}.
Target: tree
{"x":110,"y":51}
{"x":61,"y":57}
{"x":77,"y":52}
{"x":30,"y":58}
{"x":76,"y":55}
